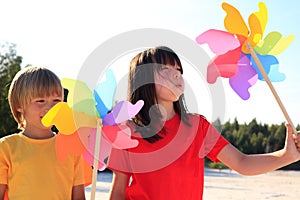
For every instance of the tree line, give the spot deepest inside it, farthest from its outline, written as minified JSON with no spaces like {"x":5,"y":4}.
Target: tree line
{"x":254,"y":137}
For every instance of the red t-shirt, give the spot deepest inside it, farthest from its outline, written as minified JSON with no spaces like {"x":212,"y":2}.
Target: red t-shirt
{"x":173,"y":167}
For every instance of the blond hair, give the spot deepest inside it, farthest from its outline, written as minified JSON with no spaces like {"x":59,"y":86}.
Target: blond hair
{"x":30,"y":83}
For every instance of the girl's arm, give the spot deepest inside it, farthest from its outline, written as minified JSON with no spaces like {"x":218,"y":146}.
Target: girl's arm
{"x":2,"y":191}
{"x":119,"y":184}
{"x":261,"y":163}
{"x":78,"y":192}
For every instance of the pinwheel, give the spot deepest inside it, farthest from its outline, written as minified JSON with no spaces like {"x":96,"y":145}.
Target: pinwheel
{"x":233,"y":57}
{"x":83,"y":114}
{"x":243,"y":55}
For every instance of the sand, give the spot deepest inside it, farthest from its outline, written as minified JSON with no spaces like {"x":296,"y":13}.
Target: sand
{"x":227,"y":184}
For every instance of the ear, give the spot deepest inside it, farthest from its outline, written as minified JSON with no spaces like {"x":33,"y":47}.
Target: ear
{"x":20,"y":110}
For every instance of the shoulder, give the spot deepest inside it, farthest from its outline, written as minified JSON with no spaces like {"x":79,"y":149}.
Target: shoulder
{"x":10,"y":138}
{"x":197,"y":117}
{"x":8,"y":142}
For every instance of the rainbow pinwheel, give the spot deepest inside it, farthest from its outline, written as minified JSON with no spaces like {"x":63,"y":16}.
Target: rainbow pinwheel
{"x":233,"y":59}
{"x":77,"y":119}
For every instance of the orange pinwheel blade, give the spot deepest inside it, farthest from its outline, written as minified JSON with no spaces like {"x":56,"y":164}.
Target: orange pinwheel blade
{"x":68,"y":145}
{"x":234,"y":22}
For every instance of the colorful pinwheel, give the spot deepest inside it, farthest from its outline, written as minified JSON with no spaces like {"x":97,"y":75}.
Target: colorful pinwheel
{"x":77,"y":119}
{"x":233,"y":59}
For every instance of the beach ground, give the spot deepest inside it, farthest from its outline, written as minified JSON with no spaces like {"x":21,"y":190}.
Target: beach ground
{"x":227,"y":184}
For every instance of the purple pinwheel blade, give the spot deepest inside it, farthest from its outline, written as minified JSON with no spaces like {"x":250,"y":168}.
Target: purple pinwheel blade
{"x":123,"y":111}
{"x":245,"y":77}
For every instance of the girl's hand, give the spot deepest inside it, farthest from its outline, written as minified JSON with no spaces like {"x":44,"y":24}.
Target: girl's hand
{"x":297,"y":140}
{"x":292,"y":143}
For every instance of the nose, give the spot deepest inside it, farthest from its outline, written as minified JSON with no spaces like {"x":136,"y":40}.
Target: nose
{"x":49,"y":106}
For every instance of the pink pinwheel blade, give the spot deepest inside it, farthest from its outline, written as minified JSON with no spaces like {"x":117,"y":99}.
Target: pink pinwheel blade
{"x":225,"y":65}
{"x":105,"y":148}
{"x":245,"y":77}
{"x":116,"y":136}
{"x":123,"y":111}
{"x":218,"y":41}
{"x":119,"y":136}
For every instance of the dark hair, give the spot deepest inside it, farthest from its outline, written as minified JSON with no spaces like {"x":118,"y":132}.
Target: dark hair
{"x":141,"y":87}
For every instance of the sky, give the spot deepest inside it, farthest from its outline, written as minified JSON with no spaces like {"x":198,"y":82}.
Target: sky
{"x":62,"y":34}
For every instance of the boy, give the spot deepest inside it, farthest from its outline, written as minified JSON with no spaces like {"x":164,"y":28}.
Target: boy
{"x":29,"y":168}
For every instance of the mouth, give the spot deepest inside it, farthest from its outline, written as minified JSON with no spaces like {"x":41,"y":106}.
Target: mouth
{"x":179,"y":86}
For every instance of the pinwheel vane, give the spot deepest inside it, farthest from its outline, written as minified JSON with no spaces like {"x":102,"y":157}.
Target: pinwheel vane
{"x":88,"y":126}
{"x":243,"y":55}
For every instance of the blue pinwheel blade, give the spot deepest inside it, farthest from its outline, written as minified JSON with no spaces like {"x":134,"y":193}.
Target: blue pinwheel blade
{"x":104,"y":93}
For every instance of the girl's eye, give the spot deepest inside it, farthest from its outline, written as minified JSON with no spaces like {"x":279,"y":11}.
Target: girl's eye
{"x":164,"y":68}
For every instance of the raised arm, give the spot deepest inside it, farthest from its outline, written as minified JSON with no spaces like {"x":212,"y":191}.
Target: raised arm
{"x":261,"y":163}
{"x":119,"y":183}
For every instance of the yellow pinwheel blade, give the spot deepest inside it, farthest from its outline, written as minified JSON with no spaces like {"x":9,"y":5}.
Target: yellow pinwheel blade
{"x":273,"y":44}
{"x":67,"y":120}
{"x":80,"y":97}
{"x":257,"y":24}
{"x":282,"y":44}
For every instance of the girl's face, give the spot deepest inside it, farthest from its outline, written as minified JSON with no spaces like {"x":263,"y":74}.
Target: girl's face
{"x":169,"y":84}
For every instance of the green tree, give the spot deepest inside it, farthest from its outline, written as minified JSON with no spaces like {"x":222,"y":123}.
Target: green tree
{"x":279,"y":137}
{"x":217,"y":124}
{"x":257,"y":143}
{"x":10,"y":64}
{"x":235,"y":124}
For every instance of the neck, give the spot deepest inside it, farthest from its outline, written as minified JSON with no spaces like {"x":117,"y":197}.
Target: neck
{"x":167,"y":110}
{"x":40,"y":135}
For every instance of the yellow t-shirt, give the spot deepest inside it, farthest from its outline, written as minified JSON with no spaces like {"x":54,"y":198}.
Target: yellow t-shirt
{"x":31,"y":170}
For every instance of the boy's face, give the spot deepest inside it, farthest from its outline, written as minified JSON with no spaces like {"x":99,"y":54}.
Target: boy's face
{"x":36,"y":109}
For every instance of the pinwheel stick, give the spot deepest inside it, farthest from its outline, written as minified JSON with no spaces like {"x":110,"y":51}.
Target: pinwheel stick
{"x":264,"y":74}
{"x":96,"y":157}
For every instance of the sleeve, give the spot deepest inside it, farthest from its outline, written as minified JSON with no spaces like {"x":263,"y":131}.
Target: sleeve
{"x":213,"y":141}
{"x":4,"y":162}
{"x":78,"y":171}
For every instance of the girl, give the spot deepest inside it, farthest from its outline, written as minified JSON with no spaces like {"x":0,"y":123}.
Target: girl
{"x":168,"y":163}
